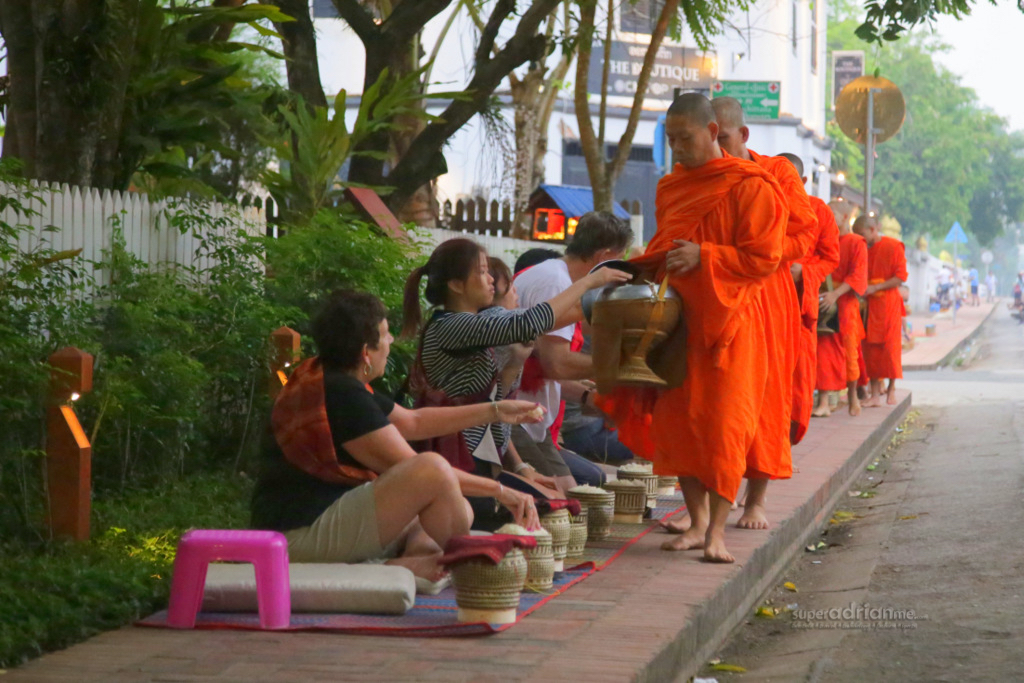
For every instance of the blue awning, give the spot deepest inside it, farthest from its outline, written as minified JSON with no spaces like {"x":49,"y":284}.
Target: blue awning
{"x":576,"y":200}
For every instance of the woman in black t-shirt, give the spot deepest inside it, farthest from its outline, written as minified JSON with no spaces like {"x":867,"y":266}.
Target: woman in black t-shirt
{"x":331,"y":436}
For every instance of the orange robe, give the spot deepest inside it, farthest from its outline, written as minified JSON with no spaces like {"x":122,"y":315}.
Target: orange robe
{"x":883,"y":341}
{"x":816,"y":266}
{"x":704,"y":427}
{"x":769,"y":455}
{"x":839,"y":354}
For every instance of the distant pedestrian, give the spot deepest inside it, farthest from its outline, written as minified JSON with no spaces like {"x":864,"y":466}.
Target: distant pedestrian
{"x":975,"y":300}
{"x":990,"y":287}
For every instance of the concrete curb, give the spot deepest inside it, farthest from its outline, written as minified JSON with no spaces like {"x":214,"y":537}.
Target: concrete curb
{"x":948,"y":358}
{"x":734,"y":601}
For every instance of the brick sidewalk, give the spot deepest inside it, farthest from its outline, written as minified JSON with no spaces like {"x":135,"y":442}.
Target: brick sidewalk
{"x":650,"y":615}
{"x":931,"y":352}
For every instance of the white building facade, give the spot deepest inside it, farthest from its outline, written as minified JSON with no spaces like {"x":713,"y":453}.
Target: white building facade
{"x":776,"y":41}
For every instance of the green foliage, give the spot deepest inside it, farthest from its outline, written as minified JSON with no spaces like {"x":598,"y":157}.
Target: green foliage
{"x":179,"y":377}
{"x":314,"y":144}
{"x":953,"y":160}
{"x":889,"y":20}
{"x":56,"y":594}
{"x":338,"y":251}
{"x":42,"y":309}
{"x":196,"y":106}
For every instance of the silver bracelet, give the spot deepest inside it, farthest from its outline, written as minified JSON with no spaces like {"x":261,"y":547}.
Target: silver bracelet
{"x":523,"y":466}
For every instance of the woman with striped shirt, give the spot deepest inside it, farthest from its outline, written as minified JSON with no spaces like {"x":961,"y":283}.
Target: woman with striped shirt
{"x":456,"y":363}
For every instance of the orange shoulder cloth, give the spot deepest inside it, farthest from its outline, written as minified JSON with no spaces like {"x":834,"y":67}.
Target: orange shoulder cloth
{"x":299,"y":422}
{"x":686,"y":196}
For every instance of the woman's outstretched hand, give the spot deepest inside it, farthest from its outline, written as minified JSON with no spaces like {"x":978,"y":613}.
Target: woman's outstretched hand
{"x":606,"y":276}
{"x":519,"y":412}
{"x":522,"y":507}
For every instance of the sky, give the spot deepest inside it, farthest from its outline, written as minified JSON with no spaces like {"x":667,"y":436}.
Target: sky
{"x":986,"y":54}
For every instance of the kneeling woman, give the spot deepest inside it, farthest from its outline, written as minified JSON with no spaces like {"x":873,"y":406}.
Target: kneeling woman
{"x":338,"y":477}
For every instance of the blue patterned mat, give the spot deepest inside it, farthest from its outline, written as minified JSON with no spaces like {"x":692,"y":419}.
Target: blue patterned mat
{"x":435,"y":615}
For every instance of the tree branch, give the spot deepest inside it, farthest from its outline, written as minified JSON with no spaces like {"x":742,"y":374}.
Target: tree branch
{"x":487,"y":37}
{"x":421,"y":162}
{"x":594,"y":157}
{"x":668,"y":11}
{"x":358,"y":19}
{"x":409,"y":18}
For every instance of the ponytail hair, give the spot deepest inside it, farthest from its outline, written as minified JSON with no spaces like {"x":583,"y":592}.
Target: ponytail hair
{"x":412,"y":316}
{"x":453,"y":259}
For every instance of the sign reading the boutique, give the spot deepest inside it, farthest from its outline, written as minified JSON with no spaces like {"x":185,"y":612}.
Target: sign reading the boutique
{"x":674,"y":67}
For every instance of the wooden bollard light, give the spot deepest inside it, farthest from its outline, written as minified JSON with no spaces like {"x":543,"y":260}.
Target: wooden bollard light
{"x":68,"y":453}
{"x":286,"y":342}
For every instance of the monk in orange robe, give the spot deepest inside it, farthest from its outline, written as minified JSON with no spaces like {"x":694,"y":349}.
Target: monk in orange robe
{"x":808,"y":274}
{"x":883,"y":340}
{"x":721,"y":225}
{"x":770,"y":456}
{"x":839,"y":354}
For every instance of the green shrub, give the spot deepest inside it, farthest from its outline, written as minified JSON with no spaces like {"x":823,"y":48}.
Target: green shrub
{"x":336,"y":251}
{"x":43,"y":308}
{"x":56,"y":594}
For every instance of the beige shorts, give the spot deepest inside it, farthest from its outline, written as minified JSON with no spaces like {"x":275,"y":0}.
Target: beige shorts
{"x":345,"y":532}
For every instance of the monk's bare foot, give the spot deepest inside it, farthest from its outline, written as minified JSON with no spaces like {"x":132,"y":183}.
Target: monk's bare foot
{"x":890,"y":397}
{"x":691,"y":539}
{"x":423,"y":566}
{"x":855,"y":408}
{"x":753,"y":518}
{"x":821,"y":411}
{"x":675,"y":526}
{"x":714,"y":551}
{"x":873,"y":402}
{"x":735,"y":505}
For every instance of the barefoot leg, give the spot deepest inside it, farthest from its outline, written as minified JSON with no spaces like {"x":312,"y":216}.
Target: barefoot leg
{"x":753,"y":511}
{"x":851,"y":393}
{"x":676,"y":526}
{"x":714,"y":540}
{"x":822,"y":409}
{"x":890,"y":393}
{"x":696,"y":497}
{"x":875,"y":399}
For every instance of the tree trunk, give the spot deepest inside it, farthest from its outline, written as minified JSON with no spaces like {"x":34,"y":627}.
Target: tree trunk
{"x":526,"y":97}
{"x":299,"y":42}
{"x":603,"y":173}
{"x":593,"y":150}
{"x":70,"y":64}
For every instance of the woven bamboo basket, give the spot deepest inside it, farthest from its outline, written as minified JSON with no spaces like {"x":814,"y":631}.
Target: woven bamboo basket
{"x":649,"y":479}
{"x":540,"y":564}
{"x":577,"y":535}
{"x":667,"y":485}
{"x":557,"y":523}
{"x":630,"y":500}
{"x":488,"y":592}
{"x":600,"y":512}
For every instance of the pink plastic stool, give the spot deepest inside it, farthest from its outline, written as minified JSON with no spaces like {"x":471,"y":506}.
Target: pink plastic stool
{"x":266,"y":550}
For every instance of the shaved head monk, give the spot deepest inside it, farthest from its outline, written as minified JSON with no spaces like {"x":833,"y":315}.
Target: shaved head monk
{"x":721,"y":226}
{"x":808,"y":274}
{"x":883,"y":340}
{"x":770,"y":456}
{"x":839,"y":353}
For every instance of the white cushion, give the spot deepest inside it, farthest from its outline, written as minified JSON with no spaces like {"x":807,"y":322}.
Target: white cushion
{"x":333,"y":588}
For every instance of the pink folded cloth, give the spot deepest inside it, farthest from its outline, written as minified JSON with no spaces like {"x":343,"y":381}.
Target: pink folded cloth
{"x":492,"y":548}
{"x":545,"y":506}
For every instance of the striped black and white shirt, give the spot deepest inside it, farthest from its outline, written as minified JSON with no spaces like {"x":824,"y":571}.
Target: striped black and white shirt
{"x":458,"y":354}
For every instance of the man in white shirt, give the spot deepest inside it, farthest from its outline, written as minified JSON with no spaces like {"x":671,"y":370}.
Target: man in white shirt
{"x":600,"y":236}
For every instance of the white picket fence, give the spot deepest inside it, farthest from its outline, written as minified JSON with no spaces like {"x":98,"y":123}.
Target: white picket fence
{"x":505,"y":248}
{"x":66,"y":218}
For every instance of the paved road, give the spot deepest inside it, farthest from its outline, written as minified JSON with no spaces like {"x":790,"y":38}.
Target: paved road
{"x":942,"y":534}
